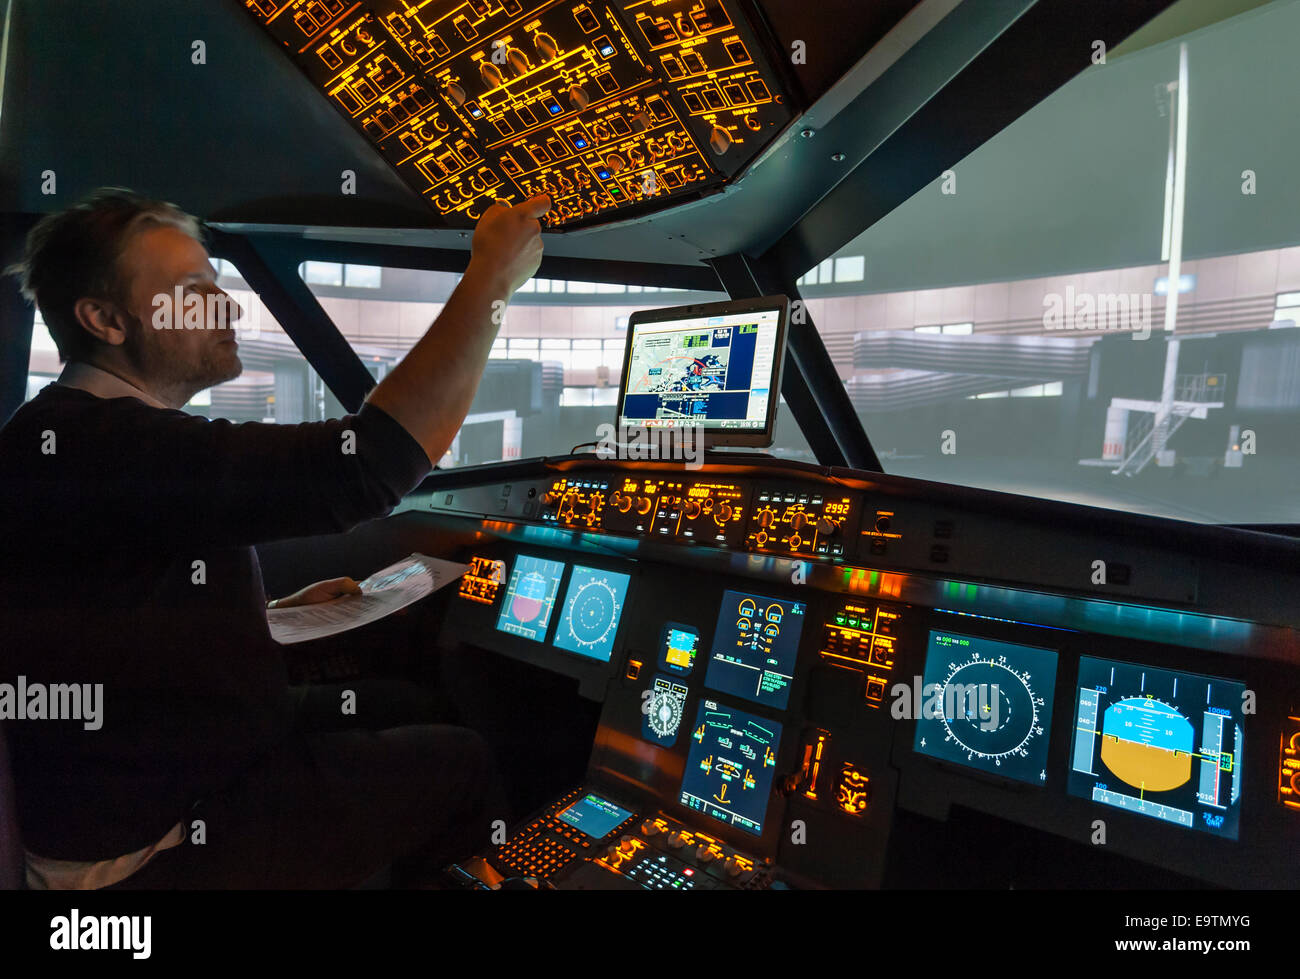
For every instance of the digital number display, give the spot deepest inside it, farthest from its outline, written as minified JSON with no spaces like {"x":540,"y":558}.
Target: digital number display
{"x":986,"y":704}
{"x":1163,"y":744}
{"x":754,"y":647}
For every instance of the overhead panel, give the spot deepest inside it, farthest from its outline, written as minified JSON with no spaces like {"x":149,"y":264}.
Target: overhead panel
{"x":615,"y":108}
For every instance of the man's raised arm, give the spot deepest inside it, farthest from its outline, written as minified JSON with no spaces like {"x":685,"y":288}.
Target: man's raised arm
{"x":429,"y":392}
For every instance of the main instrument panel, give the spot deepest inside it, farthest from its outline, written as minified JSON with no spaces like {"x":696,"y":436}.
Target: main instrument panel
{"x":612,"y":107}
{"x":786,"y":655}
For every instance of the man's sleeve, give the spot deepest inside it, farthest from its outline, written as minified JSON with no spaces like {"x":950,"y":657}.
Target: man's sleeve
{"x":132,"y":473}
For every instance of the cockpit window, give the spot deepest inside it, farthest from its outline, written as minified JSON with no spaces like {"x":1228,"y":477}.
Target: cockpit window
{"x":1100,"y":304}
{"x":554,"y":371}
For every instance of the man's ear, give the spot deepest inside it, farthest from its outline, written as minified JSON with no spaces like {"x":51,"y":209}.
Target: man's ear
{"x":101,"y":319}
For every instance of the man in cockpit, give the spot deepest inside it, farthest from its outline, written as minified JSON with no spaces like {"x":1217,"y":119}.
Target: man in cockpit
{"x":126,"y":559}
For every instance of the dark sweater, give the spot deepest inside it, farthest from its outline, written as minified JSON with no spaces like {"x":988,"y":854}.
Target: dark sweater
{"x":98,"y":584}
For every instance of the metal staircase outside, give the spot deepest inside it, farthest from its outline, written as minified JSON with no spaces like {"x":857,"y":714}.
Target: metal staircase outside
{"x":1193,"y":393}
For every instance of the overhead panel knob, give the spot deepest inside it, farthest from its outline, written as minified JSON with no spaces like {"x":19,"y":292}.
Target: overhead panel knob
{"x":455,"y":93}
{"x":719,"y":140}
{"x":518,"y":61}
{"x":545,"y":45}
{"x":491,"y":74}
{"x":578,"y":97}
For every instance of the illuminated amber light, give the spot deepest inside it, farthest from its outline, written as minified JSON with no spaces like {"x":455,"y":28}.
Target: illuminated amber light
{"x":854,"y":791}
{"x":603,"y":105}
{"x":483,"y":581}
{"x":1288,"y":769}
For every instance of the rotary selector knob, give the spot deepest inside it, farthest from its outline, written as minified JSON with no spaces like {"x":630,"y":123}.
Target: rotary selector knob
{"x":798,"y":520}
{"x":650,"y":828}
{"x":724,"y":512}
{"x":692,"y":509}
{"x":676,"y":840}
{"x":518,"y":61}
{"x":545,"y":45}
{"x":456,"y":93}
{"x":765,"y":518}
{"x":578,"y":97}
{"x":827,"y":527}
{"x":719,"y":140}
{"x":644,"y":505}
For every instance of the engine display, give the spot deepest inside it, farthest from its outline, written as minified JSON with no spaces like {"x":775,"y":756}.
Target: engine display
{"x":610,"y":106}
{"x":754,"y":648}
{"x":1162,"y":744}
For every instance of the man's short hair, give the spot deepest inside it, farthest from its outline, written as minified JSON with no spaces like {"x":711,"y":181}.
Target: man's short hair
{"x":74,"y":254}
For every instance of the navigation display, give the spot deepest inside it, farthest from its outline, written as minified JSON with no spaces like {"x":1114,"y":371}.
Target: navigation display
{"x":714,"y":371}
{"x":594,"y":816}
{"x":986,"y":704}
{"x":530,"y":597}
{"x":730,"y":766}
{"x":754,"y":647}
{"x":593,"y":606}
{"x":1158,"y":743}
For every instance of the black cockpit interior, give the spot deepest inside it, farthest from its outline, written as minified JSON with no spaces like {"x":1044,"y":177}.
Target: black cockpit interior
{"x":1005,"y":598}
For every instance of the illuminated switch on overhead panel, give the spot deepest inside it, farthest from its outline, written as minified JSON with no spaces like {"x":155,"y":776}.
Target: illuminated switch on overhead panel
{"x":464,"y":28}
{"x":604,"y":46}
{"x":579,"y":141}
{"x":693,"y":101}
{"x":586,"y":19}
{"x":511,"y":7}
{"x":658,"y":110}
{"x":607,"y":82}
{"x":736,"y":51}
{"x":552,"y":106}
